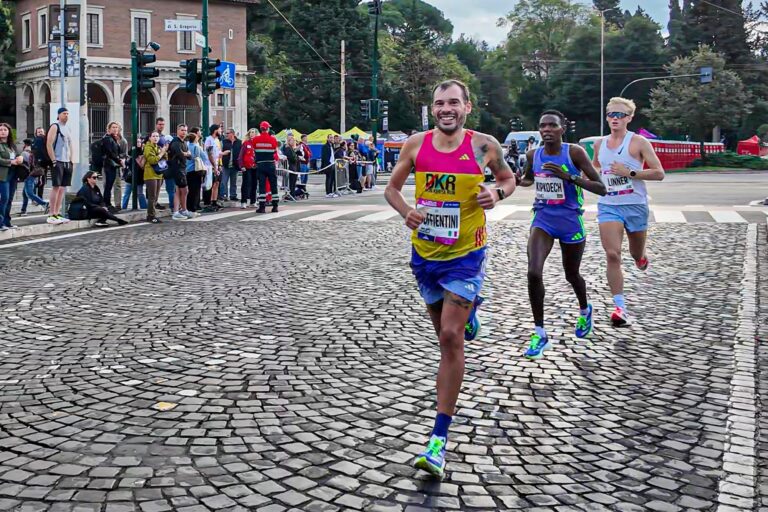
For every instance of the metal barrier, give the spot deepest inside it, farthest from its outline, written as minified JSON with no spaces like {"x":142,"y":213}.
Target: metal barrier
{"x":342,"y":178}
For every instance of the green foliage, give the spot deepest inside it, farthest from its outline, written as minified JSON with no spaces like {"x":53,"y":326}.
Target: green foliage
{"x":732,"y":160}
{"x":685,"y":104}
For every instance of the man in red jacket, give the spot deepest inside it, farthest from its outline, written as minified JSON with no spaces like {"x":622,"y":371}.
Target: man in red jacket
{"x":265,"y":151}
{"x":247,"y":163}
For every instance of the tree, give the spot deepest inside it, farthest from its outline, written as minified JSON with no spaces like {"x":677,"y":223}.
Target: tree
{"x":7,"y":60}
{"x":686,"y":106}
{"x":677,"y":42}
{"x":611,"y":10}
{"x":294,"y":86}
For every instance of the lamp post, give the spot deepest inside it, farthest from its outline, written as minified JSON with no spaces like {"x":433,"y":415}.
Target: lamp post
{"x":602,"y":68}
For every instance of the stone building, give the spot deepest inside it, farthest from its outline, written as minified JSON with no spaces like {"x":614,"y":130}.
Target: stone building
{"x":107,"y":29}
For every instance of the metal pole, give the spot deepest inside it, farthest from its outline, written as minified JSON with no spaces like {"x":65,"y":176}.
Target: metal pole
{"x":375,"y":76}
{"x":654,"y":78}
{"x":135,"y":125}
{"x":205,"y":56}
{"x":602,"y":72}
{"x":343,"y":126}
{"x":226,"y":92}
{"x":62,"y":10}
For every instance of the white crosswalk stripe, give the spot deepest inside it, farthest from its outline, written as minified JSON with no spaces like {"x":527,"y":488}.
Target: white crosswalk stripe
{"x":502,"y":211}
{"x":379,"y":216}
{"x":726,"y":216}
{"x":273,"y":216}
{"x":669,"y":216}
{"x":329,"y":215}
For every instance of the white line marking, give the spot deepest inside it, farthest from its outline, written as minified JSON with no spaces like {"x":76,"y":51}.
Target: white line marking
{"x":217,"y":216}
{"x":89,"y":231}
{"x":669,"y":216}
{"x":726,"y":216}
{"x":261,"y":217}
{"x":379,"y":216}
{"x":503,"y":210}
{"x":739,"y":457}
{"x":330,"y":215}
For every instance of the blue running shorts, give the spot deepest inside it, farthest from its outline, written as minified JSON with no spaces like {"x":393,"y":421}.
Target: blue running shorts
{"x":561,"y":224}
{"x":463,"y":276}
{"x":633,"y":216}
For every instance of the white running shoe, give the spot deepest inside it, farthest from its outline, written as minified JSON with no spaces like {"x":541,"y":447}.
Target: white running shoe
{"x":178,"y":216}
{"x":243,"y":206}
{"x":188,"y":214}
{"x":620,"y":318}
{"x":64,"y":220}
{"x":53,"y":220}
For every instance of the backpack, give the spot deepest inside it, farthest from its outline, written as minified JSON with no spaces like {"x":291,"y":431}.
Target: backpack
{"x":77,"y":210}
{"x":249,"y":158}
{"x":97,"y":155}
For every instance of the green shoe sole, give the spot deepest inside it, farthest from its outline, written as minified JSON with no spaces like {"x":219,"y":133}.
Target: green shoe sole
{"x":422,"y":463}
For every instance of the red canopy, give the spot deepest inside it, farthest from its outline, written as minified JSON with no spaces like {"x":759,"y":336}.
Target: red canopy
{"x":749,"y":147}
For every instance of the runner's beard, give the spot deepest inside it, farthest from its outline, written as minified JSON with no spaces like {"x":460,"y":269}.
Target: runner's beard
{"x":458,"y":125}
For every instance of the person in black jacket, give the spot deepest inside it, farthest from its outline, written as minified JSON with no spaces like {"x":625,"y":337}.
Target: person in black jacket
{"x":326,"y":159}
{"x":41,"y":158}
{"x":230,"y":152}
{"x":110,"y":148}
{"x":178,"y":153}
{"x":90,"y":194}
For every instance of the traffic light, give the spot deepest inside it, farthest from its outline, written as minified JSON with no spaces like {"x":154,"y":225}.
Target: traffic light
{"x":384,"y":108}
{"x":374,"y":7}
{"x":144,"y":73}
{"x":571,"y":127}
{"x":365,"y":109}
{"x":190,"y":75}
{"x":209,"y":75}
{"x":375,"y":108}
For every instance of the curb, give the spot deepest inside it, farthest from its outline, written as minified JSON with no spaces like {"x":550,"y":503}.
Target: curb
{"x":46,"y":229}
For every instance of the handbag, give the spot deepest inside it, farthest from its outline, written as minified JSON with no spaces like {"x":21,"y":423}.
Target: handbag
{"x":199,"y":165}
{"x":78,"y":210}
{"x":208,"y":179}
{"x":37,"y":171}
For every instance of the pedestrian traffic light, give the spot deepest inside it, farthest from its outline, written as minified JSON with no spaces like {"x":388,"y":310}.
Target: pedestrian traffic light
{"x":516,"y":124}
{"x":144,"y":73}
{"x":190,"y":76}
{"x":374,"y":7}
{"x":365,"y":109}
{"x":384,"y":108}
{"x":209,"y":75}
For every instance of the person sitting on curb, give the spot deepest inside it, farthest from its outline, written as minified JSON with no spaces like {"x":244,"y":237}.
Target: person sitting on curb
{"x":90,"y":194}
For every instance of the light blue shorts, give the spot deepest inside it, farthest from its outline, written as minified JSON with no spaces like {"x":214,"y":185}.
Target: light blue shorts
{"x":633,"y":216}
{"x":462,"y":276}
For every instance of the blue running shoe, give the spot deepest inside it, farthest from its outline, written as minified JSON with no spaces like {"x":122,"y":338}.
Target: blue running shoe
{"x":432,"y":460}
{"x":537,"y":347}
{"x":584,"y":324}
{"x":472,"y":327}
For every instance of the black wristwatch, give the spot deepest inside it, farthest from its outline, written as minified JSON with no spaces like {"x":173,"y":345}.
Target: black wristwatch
{"x":632,"y":173}
{"x":500,"y":192}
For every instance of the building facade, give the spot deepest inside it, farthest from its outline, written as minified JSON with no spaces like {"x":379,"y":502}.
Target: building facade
{"x":107,"y":28}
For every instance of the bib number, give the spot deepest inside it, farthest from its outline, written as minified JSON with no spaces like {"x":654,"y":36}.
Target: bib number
{"x":549,"y":189}
{"x":617,"y":185}
{"x":442,"y":222}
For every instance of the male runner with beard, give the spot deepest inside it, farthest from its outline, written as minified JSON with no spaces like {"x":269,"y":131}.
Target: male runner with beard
{"x":449,"y":237}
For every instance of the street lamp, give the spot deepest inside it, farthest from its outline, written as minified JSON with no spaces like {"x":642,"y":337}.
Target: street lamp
{"x":602,"y":67}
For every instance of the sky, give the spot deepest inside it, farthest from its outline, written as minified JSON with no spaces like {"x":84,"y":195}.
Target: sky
{"x":479,"y":20}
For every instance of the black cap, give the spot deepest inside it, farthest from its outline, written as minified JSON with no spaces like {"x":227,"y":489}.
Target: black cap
{"x":62,"y":110}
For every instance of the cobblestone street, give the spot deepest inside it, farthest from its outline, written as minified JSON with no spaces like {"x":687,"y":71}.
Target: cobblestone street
{"x":290,"y":366}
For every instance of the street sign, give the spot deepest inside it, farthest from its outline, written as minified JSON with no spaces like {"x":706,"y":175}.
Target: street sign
{"x":227,"y":78}
{"x":54,"y":59}
{"x":199,"y":40}
{"x":71,"y":21}
{"x":424,"y":118}
{"x":183,"y":25}
{"x":706,"y":74}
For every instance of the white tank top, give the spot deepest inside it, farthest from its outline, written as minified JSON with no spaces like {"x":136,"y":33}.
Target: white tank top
{"x":621,"y":190}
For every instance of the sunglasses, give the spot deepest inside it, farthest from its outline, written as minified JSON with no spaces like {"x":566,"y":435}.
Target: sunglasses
{"x":617,"y":115}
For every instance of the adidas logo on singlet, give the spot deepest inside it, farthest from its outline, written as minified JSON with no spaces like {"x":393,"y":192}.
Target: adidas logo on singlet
{"x":464,"y":157}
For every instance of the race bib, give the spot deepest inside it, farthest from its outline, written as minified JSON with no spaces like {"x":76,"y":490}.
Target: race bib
{"x":442,"y":222}
{"x":549,"y":189}
{"x":617,"y":185}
